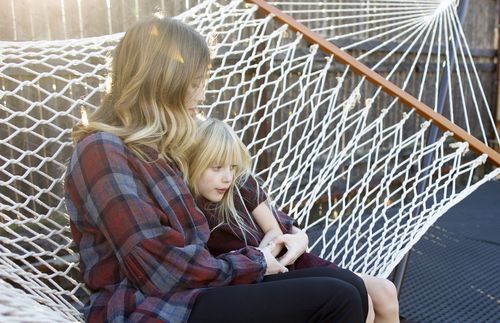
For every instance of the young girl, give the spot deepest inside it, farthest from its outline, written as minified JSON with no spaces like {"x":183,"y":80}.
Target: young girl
{"x":141,"y":238}
{"x":239,"y":215}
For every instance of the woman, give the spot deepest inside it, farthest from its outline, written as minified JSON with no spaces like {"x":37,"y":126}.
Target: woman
{"x":141,"y":238}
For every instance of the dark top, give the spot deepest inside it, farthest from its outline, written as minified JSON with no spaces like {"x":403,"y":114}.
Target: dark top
{"x":247,"y":196}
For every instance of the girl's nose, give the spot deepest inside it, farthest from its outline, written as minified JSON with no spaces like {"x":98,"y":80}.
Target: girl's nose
{"x":228,"y":175}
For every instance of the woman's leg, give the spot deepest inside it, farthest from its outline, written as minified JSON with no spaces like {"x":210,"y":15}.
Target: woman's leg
{"x":287,"y":298}
{"x":385,"y":298}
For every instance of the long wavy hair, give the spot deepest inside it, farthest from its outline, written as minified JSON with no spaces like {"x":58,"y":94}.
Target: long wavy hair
{"x":217,"y":144}
{"x":153,"y":67}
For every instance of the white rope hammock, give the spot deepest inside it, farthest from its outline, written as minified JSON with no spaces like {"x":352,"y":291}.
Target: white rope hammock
{"x":335,"y":150}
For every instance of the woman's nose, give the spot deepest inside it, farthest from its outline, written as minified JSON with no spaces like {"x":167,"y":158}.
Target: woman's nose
{"x":201,"y":95}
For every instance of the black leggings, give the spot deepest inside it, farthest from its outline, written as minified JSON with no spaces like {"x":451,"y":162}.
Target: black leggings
{"x":306,"y":295}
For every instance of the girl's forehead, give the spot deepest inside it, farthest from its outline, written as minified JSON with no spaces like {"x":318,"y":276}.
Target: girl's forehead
{"x":228,"y":157}
{"x":226,"y":161}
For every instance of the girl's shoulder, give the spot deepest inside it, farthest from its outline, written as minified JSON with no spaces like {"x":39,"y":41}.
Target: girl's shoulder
{"x":248,"y":183}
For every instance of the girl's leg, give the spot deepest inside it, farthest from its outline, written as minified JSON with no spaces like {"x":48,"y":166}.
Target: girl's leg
{"x":320,"y":267}
{"x":382,"y":303}
{"x":385,"y":298}
{"x":281,"y":299}
{"x":370,"y":318}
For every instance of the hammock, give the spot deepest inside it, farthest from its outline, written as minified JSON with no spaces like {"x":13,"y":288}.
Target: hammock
{"x":345,"y":139}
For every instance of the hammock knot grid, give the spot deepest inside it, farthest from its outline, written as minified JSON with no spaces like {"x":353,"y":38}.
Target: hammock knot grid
{"x":341,"y":151}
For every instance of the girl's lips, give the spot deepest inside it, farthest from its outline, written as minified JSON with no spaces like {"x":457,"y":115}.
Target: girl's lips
{"x":221,"y":191}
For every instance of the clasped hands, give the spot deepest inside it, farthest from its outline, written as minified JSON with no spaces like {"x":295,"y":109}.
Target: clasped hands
{"x":295,"y":243}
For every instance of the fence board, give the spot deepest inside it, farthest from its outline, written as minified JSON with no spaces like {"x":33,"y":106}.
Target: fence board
{"x":22,"y":14}
{"x":39,"y":20}
{"x":55,"y":21}
{"x":115,"y":12}
{"x":71,"y":19}
{"x":129,"y":12}
{"x":480,"y":22}
{"x":94,"y":18}
{"x":6,"y":23}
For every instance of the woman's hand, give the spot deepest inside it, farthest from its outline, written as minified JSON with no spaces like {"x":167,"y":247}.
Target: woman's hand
{"x":273,"y":265}
{"x":268,"y":238}
{"x":295,"y":243}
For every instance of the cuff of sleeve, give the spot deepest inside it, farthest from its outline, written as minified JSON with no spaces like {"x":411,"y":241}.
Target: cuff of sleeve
{"x":258,"y":257}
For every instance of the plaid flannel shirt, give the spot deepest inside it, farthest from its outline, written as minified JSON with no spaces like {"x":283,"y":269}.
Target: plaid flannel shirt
{"x":141,"y":238}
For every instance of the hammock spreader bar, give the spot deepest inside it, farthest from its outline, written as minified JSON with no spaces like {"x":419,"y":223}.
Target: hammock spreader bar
{"x":375,"y":78}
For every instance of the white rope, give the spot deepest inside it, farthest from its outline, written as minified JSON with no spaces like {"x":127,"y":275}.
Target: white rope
{"x":450,"y":16}
{"x":18,"y":307}
{"x":338,"y":153}
{"x":470,"y":62}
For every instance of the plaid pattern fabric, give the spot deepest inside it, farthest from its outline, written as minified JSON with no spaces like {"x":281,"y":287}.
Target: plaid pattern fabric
{"x":141,"y":238}
{"x":246,"y":196}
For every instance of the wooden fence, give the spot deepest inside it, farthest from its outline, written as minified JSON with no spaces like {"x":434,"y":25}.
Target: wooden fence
{"x":64,"y":19}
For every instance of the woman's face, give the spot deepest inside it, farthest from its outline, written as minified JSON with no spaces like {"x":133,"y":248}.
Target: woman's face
{"x":195,"y":95}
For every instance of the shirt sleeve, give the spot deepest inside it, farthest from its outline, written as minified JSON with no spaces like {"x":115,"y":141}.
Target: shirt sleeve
{"x":154,"y":255}
{"x":252,"y":195}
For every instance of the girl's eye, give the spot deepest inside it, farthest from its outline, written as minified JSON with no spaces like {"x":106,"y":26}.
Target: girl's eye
{"x":233,"y":167}
{"x":216,"y":167}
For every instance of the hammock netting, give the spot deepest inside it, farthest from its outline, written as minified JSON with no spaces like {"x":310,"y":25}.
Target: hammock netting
{"x":347,"y":159}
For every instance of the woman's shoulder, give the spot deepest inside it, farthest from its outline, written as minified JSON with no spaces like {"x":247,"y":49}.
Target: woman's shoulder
{"x":102,"y":143}
{"x":100,"y":138}
{"x":96,"y":147}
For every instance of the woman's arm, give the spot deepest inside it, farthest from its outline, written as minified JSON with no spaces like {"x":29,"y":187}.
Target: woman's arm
{"x":155,"y":245}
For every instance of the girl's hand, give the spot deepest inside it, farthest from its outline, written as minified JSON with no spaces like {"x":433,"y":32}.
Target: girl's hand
{"x":295,"y":243}
{"x":276,"y":248}
{"x":273,"y":265}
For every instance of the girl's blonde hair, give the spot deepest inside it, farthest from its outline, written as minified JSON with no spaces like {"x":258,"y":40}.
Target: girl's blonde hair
{"x":153,"y":67}
{"x":217,"y":144}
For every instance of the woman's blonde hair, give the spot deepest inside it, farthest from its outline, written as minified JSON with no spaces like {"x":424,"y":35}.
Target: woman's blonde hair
{"x":153,"y":67}
{"x":217,"y":144}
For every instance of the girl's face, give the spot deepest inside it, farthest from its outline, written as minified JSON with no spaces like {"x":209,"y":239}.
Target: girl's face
{"x":195,"y":95}
{"x":215,"y":181}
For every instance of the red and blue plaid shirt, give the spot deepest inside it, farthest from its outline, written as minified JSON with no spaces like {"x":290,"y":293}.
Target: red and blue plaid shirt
{"x":141,"y":238}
